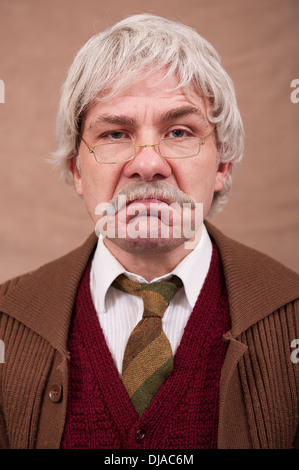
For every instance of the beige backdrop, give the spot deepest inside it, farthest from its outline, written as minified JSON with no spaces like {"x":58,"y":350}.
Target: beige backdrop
{"x":41,"y":218}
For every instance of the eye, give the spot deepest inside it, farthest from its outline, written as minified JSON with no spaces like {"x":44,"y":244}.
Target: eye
{"x":113,"y":136}
{"x":178,"y":133}
{"x":116,"y":135}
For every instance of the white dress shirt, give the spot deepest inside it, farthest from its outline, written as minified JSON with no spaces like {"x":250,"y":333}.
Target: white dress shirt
{"x":119,"y":312}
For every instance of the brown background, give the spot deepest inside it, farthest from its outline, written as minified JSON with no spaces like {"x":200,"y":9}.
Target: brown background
{"x":42,"y":218}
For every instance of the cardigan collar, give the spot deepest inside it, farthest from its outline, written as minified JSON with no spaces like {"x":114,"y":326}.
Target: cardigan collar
{"x":44,"y":299}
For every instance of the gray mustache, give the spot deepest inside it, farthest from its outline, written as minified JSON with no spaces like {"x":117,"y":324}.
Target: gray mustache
{"x":150,"y":190}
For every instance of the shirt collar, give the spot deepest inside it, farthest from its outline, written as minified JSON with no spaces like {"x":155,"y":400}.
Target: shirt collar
{"x":192,"y":270}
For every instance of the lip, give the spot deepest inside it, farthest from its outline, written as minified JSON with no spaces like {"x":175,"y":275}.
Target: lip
{"x":149,"y":207}
{"x":148,"y":201}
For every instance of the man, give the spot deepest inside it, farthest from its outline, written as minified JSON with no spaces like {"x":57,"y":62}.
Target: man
{"x":161,"y":332}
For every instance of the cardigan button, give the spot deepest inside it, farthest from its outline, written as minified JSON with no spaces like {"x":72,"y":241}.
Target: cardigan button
{"x":140,"y":434}
{"x":55,"y":393}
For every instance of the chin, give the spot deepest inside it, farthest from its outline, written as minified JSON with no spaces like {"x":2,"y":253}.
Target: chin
{"x":147,"y":246}
{"x":147,"y":236}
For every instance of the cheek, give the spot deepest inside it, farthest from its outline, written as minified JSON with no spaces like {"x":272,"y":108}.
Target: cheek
{"x":197,"y":179}
{"x":97,"y":183}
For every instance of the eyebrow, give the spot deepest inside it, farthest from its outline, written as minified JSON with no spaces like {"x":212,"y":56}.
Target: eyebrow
{"x":182,"y":111}
{"x":119,"y":120}
{"x":170,"y":115}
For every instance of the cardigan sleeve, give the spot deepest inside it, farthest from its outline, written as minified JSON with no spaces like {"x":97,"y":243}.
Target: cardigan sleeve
{"x":23,"y":377}
{"x":270,"y":379}
{"x":296,"y":441}
{"x":4,"y":444}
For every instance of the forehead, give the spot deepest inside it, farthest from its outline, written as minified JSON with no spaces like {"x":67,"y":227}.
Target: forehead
{"x":154,"y":95}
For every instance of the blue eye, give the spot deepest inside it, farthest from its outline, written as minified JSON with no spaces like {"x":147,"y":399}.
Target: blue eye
{"x":116,"y":135}
{"x":178,"y":133}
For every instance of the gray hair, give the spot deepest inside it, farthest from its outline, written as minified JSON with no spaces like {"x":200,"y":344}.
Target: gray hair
{"x":132,"y":49}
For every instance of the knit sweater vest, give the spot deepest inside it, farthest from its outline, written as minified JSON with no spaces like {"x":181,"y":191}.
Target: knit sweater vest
{"x":183,"y":414}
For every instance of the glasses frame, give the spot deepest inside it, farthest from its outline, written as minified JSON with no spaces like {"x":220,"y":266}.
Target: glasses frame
{"x":136,"y":147}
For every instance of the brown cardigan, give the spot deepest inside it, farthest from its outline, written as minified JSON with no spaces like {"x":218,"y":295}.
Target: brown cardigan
{"x":259,"y":398}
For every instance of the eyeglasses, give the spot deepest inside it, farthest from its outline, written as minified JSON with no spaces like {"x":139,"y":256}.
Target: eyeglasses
{"x":124,"y":151}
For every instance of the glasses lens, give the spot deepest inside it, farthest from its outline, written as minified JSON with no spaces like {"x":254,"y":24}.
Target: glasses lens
{"x":114,"y":152}
{"x":180,"y":148}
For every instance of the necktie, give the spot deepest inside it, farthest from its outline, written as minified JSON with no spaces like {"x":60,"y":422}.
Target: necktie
{"x":148,"y":357}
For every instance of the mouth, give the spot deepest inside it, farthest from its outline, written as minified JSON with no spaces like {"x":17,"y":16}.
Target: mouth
{"x":154,"y":193}
{"x":151,"y":207}
{"x":149,"y":200}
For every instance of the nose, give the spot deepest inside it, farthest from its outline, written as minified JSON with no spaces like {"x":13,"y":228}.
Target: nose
{"x":148,"y":164}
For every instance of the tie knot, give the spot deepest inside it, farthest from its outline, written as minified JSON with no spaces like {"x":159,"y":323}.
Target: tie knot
{"x":156,"y":296}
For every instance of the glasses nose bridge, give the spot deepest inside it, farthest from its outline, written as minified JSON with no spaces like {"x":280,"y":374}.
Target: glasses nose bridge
{"x":146,"y":145}
{"x":137,"y":146}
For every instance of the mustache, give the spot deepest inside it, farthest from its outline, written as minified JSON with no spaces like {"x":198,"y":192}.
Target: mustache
{"x":150,"y":190}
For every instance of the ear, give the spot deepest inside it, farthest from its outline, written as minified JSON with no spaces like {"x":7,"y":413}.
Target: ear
{"x":221,"y":175}
{"x":73,"y":165}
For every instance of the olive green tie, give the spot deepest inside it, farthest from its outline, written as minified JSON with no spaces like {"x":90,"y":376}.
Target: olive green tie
{"x":148,"y":357}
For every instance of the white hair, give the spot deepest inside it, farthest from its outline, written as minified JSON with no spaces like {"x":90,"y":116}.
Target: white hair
{"x":132,"y":49}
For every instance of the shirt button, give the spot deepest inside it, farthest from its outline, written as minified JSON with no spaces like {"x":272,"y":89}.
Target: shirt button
{"x":55,"y":393}
{"x":140,"y":434}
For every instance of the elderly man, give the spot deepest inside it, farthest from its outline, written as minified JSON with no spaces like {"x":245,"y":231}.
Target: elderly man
{"x":159,"y":332}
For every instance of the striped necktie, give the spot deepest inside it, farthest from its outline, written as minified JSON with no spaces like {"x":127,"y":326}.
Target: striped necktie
{"x":148,"y":357}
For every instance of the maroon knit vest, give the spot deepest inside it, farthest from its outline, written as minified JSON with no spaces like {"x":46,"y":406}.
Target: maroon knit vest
{"x":183,"y":414}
